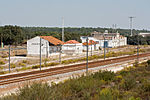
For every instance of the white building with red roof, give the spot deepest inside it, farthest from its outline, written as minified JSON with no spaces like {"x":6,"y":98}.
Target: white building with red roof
{"x":49,"y":45}
{"x":72,"y":47}
{"x":110,"y":40}
{"x":92,"y":45}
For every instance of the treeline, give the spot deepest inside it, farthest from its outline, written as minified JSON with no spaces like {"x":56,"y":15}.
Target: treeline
{"x":15,"y":35}
{"x":137,"y":39}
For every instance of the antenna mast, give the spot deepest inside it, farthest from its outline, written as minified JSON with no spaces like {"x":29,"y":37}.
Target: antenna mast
{"x":63,"y":29}
{"x":131,"y":25}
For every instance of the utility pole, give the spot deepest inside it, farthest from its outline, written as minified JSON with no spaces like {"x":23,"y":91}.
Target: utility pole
{"x":46,"y":50}
{"x":104,"y":47}
{"x":138,"y":48}
{"x":91,"y":48}
{"x":60,"y":54}
{"x":87,"y":55}
{"x":9,"y":58}
{"x":114,"y":27}
{"x":131,"y":25}
{"x":9,"y":50}
{"x":1,"y":38}
{"x":63,"y":29}
{"x":40,"y":54}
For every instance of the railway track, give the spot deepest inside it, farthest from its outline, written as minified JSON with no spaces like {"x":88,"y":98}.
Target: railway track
{"x":14,"y":78}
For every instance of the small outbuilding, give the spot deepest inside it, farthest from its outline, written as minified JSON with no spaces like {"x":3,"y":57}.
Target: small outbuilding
{"x":49,"y":45}
{"x":72,"y":47}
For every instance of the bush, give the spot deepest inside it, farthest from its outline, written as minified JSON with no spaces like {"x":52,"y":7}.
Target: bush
{"x":132,"y":98}
{"x":23,"y":68}
{"x":2,"y":72}
{"x":22,"y":64}
{"x":105,"y":75}
{"x":36,"y":91}
{"x":12,"y":65}
{"x":24,"y":61}
{"x":148,"y":62}
{"x":128,"y":82}
{"x":2,"y":62}
{"x":35,"y":66}
{"x":146,"y":86}
{"x":106,"y":94}
{"x":52,"y":64}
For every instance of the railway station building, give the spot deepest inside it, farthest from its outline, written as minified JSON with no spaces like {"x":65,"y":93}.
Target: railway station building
{"x":49,"y":45}
{"x":109,"y":40}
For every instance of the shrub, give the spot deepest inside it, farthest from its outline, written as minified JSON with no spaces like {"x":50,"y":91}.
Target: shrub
{"x":118,"y":78}
{"x":24,"y":61}
{"x":105,"y":75}
{"x":52,"y":64}
{"x":37,"y":91}
{"x":12,"y":65}
{"x":2,"y":62}
{"x":106,"y":94}
{"x":128,"y":82}
{"x":23,"y":68}
{"x":45,"y":61}
{"x":132,"y":98}
{"x":146,"y":86}
{"x":4,"y":56}
{"x":148,"y":62}
{"x":35,"y":66}
{"x":22,"y":64}
{"x":2,"y":72}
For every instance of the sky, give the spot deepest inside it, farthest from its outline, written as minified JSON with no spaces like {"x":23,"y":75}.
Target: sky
{"x":76,"y":13}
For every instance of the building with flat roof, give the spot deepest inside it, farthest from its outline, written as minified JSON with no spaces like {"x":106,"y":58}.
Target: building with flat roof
{"x":144,"y":34}
{"x":106,"y":39}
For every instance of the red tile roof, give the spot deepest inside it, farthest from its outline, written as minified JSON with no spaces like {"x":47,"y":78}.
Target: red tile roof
{"x":91,"y":42}
{"x":52,"y":40}
{"x":72,"y":42}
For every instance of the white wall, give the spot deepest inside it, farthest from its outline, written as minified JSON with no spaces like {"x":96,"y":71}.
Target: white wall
{"x":90,"y":47}
{"x":115,"y":42}
{"x":72,"y":48}
{"x":33,"y":46}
